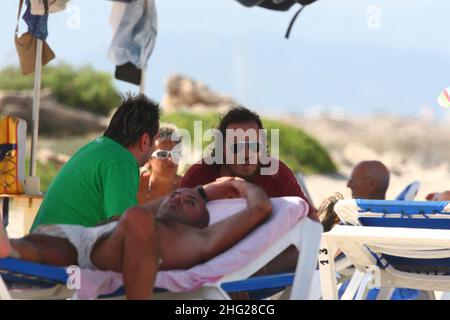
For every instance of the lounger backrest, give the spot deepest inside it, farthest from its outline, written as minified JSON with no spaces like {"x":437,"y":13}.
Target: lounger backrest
{"x":401,"y":214}
{"x":395,"y":213}
{"x":410,"y":192}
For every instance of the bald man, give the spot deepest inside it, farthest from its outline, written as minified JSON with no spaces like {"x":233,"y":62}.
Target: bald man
{"x":369,"y":180}
{"x":444,"y":196}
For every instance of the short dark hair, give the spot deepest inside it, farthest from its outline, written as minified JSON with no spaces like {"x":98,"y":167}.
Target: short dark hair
{"x":235,"y":114}
{"x":238,"y":114}
{"x":136,"y":115}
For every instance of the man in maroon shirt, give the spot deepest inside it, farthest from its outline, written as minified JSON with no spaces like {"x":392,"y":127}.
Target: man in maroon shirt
{"x":249,"y":148}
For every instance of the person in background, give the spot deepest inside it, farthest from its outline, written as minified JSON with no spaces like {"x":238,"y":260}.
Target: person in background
{"x":369,"y":180}
{"x":241,"y":151}
{"x":281,"y":183}
{"x":161,"y":177}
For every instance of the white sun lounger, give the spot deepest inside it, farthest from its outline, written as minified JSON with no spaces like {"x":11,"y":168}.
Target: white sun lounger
{"x":346,"y":274}
{"x":393,"y":244}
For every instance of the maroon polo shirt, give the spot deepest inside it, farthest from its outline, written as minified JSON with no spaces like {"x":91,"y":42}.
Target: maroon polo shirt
{"x":281,"y":184}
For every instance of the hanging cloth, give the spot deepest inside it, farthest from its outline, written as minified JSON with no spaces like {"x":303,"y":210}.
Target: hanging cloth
{"x":37,"y":25}
{"x":26,"y":46}
{"x":43,"y":7}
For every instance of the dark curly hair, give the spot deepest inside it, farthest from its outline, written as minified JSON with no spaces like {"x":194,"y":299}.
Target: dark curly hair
{"x":136,"y":115}
{"x":327,"y":215}
{"x":238,"y":114}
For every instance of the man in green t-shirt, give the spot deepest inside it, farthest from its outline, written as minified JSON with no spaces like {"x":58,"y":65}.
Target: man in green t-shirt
{"x":100,"y":181}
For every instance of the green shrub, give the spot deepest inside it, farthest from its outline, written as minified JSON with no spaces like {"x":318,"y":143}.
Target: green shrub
{"x":83,"y":88}
{"x":301,"y":152}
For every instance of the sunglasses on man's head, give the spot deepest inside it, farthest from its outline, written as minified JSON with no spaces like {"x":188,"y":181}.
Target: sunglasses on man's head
{"x":238,"y":147}
{"x":164,"y":154}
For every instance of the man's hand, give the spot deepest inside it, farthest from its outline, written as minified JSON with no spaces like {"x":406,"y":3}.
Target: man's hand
{"x":222,"y":188}
{"x":222,"y":235}
{"x":241,"y":186}
{"x":233,"y":187}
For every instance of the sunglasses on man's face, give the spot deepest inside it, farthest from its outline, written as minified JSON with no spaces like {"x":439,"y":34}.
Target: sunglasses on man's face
{"x":238,"y":147}
{"x":164,"y":154}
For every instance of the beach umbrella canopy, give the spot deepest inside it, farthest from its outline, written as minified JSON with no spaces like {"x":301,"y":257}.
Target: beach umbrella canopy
{"x":279,"y":5}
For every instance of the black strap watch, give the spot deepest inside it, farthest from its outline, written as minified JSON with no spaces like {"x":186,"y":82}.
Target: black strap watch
{"x":202,"y":193}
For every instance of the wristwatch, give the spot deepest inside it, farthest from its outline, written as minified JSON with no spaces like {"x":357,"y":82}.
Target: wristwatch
{"x":202,"y":193}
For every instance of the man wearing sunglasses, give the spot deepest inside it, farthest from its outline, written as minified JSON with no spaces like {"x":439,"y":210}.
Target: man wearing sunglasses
{"x":242,"y":158}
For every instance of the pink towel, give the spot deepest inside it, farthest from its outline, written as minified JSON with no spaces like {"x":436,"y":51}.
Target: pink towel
{"x":94,"y":283}
{"x":287,"y":212}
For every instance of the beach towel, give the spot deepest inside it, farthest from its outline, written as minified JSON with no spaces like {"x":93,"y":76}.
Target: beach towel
{"x":26,"y":44}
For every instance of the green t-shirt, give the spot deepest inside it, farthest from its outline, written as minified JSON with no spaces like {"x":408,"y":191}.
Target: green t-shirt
{"x":98,"y":182}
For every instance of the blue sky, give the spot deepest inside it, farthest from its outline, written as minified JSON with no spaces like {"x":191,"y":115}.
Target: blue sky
{"x":331,"y":60}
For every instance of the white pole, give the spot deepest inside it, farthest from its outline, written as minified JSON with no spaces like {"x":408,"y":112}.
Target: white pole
{"x":36,"y":105}
{"x":142,"y":86}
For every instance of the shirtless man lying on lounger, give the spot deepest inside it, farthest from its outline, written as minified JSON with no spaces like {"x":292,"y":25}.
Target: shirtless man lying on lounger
{"x":170,"y":233}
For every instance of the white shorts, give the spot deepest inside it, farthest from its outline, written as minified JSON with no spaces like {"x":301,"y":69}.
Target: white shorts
{"x":82,"y":238}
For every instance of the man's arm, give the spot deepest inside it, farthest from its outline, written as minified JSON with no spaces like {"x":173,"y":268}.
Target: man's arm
{"x":215,"y":239}
{"x":222,"y":188}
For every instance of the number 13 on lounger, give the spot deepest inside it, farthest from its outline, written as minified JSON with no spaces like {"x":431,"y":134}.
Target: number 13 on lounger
{"x":327,"y":269}
{"x":323,"y":259}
